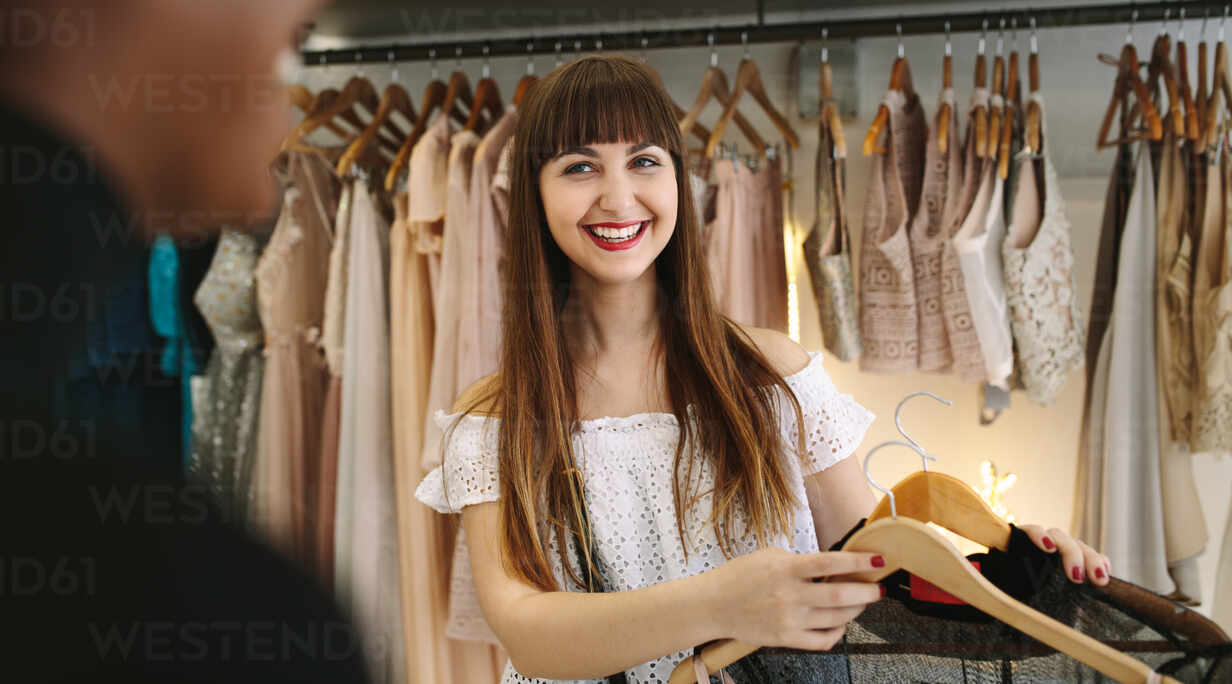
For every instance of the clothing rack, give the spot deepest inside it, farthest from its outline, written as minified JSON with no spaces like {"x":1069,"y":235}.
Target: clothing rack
{"x":696,"y":36}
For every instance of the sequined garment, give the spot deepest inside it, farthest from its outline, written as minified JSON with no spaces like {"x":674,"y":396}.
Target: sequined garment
{"x":226,"y":398}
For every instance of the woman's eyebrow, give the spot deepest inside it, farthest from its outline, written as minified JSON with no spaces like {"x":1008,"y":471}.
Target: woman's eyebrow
{"x":590,"y":151}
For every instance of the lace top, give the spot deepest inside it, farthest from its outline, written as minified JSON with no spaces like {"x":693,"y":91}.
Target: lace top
{"x":626,"y":470}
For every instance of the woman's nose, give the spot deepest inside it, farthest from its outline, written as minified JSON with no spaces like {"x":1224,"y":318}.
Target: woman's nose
{"x":617,"y":193}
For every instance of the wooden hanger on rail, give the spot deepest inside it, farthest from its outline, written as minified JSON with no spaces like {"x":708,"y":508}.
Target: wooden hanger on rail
{"x":900,"y":80}
{"x":437,"y":96}
{"x":487,"y":100}
{"x":1221,"y":85}
{"x":830,"y":118}
{"x":306,"y":102}
{"x":1128,"y":82}
{"x":1010,"y":108}
{"x":358,"y":92}
{"x":979,"y":112}
{"x":1186,"y":90}
{"x":911,"y":545}
{"x":714,"y":87}
{"x":993,"y":137}
{"x":1034,"y":132}
{"x":945,"y":112}
{"x":529,"y":80}
{"x":748,"y":79}
{"x":1162,"y":68}
{"x":395,"y":98}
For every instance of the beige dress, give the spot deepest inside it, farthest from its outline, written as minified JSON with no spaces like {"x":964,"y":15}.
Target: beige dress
{"x":968,"y":360}
{"x":1213,"y":316}
{"x":426,"y":180}
{"x":291,"y":277}
{"x":942,"y":184}
{"x":889,"y":317}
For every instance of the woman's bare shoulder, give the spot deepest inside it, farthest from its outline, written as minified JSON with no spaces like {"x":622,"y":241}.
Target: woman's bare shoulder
{"x":481,"y":388}
{"x":785,"y":355}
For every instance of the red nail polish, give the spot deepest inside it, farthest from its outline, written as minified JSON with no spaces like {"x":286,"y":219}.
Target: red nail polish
{"x":1076,"y":573}
{"x":1048,"y":543}
{"x":1099,"y":573}
{"x":878,"y":562}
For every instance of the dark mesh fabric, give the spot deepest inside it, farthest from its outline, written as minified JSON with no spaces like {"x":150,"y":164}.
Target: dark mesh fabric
{"x":904,"y":639}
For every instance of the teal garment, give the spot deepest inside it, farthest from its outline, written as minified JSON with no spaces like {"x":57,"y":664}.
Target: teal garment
{"x":167,"y":316}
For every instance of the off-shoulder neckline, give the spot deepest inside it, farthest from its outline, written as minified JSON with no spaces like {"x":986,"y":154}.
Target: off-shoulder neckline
{"x":645,"y":419}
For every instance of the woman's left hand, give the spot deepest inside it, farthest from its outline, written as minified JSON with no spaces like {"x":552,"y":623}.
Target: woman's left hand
{"x":1080,"y":561}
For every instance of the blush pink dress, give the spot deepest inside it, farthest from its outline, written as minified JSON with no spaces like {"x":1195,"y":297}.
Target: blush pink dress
{"x":291,"y":276}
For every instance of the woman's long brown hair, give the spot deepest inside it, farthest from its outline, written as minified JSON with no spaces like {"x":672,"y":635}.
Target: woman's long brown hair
{"x":711,"y":365}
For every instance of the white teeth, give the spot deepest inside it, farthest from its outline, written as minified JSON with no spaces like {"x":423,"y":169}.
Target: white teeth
{"x":616,"y":233}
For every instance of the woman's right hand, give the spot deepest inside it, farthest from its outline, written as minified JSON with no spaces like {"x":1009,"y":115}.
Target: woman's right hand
{"x":769,"y":597}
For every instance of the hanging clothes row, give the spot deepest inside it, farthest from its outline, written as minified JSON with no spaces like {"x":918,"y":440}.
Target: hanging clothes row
{"x":966,"y":264}
{"x":1160,"y":331}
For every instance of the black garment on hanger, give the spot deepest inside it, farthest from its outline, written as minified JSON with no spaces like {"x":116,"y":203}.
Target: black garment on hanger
{"x":111,"y":569}
{"x":916,"y":634}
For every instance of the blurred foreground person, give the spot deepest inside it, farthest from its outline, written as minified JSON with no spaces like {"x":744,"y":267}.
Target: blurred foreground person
{"x":120,"y":119}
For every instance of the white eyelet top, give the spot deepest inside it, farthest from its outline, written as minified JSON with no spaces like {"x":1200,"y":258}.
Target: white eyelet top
{"x":626,"y":466}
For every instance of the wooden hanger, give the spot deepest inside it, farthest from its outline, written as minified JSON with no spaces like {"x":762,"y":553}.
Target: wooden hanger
{"x":911,"y":545}
{"x":1013,"y":98}
{"x":437,"y":96}
{"x":487,"y":100}
{"x":714,"y":87}
{"x":829,"y":110}
{"x":1186,"y":91}
{"x":993,"y":139}
{"x":529,"y":80}
{"x":979,"y":113}
{"x":1161,"y":67}
{"x":395,"y":98}
{"x":1034,"y":127}
{"x":305,"y":101}
{"x":1220,"y":85}
{"x":698,"y":130}
{"x":900,"y":80}
{"x":939,"y":498}
{"x":748,"y":79}
{"x":1128,"y":82}
{"x":945,"y":112}
{"x":358,"y":91}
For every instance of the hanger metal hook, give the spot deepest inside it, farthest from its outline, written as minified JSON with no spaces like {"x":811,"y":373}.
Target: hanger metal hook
{"x":983,"y":37}
{"x":457,"y":53}
{"x":898,"y":29}
{"x":487,"y":62}
{"x":599,"y":44}
{"x":394,"y":76}
{"x":825,"y":50}
{"x":1014,"y":33}
{"x":898,"y":422}
{"x":1001,"y":37}
{"x":714,"y":52}
{"x":948,"y":50}
{"x":868,"y":459}
{"x":1221,"y":22}
{"x":744,"y":42}
{"x":1129,"y":34}
{"x":1163,"y":23}
{"x":1034,"y":37}
{"x":644,"y":42}
{"x":530,"y":57}
{"x":577,"y":45}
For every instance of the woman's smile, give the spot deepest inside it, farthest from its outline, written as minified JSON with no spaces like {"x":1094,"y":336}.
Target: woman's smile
{"x":617,"y":236}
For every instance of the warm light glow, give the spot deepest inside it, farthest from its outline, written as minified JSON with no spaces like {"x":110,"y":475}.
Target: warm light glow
{"x":995,"y":487}
{"x":793,"y":296}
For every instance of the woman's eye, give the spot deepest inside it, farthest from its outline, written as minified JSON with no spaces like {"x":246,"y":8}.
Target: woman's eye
{"x":570,"y":169}
{"x":652,"y":160}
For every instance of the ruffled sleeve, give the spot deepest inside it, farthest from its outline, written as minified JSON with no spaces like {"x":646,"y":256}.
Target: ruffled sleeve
{"x":834,"y":423}
{"x":468,"y":474}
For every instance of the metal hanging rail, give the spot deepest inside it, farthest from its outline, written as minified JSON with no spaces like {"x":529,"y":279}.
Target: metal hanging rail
{"x":695,"y":36}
